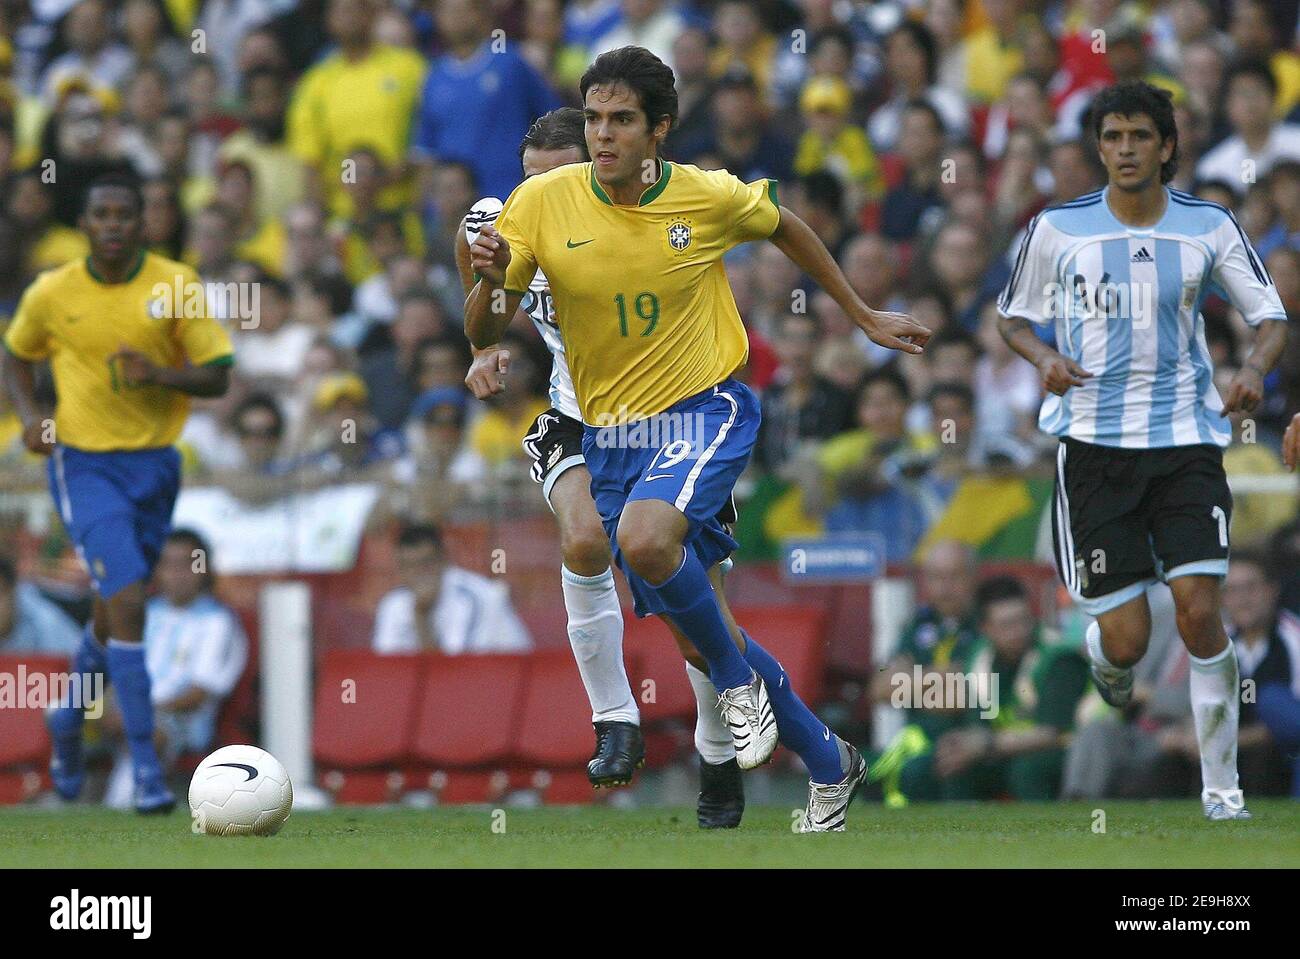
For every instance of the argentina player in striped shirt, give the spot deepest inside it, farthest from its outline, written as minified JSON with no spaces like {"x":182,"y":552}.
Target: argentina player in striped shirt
{"x":1141,"y":493}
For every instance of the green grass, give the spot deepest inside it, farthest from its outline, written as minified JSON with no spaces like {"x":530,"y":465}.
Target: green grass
{"x":1163,"y":834}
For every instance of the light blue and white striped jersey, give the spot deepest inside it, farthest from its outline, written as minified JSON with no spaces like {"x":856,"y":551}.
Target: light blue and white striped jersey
{"x":202,"y":644}
{"x":1126,"y":302}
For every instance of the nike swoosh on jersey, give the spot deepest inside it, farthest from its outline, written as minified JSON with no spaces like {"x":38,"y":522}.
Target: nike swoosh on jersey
{"x":659,"y":476}
{"x":571,"y":245}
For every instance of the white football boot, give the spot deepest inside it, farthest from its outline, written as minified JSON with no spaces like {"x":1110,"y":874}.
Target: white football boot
{"x":828,"y":802}
{"x":748,"y":714}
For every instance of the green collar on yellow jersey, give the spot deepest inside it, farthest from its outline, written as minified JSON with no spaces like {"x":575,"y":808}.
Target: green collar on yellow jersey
{"x":135,"y":270}
{"x":651,"y":192}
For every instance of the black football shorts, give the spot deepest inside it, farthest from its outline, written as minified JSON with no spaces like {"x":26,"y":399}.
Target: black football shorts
{"x":1124,"y":518}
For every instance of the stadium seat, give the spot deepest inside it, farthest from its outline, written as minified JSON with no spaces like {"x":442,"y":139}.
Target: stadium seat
{"x":555,"y":719}
{"x":23,"y":738}
{"x":469,"y":706}
{"x":374,"y":726}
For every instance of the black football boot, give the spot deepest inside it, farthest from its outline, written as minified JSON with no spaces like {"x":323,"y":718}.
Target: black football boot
{"x":722,"y":795}
{"x":620,"y":750}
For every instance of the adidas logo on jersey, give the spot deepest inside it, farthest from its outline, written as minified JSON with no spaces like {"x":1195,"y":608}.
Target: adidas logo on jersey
{"x":1142,"y":256}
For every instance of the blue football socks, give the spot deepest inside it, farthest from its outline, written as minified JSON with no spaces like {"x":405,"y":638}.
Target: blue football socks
{"x":127,"y":668}
{"x":689,"y":600}
{"x":800,"y":729}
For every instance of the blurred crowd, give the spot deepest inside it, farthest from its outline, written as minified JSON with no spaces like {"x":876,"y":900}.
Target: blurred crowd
{"x":327,"y":150}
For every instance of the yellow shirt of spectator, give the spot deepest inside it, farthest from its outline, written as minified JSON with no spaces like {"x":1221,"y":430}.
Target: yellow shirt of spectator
{"x":641,"y":295}
{"x":72,"y":318}
{"x":848,"y":155}
{"x":990,"y":65}
{"x":341,"y":105}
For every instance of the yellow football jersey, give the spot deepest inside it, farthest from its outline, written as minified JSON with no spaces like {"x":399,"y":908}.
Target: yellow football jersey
{"x":78,"y":322}
{"x":640,"y":292}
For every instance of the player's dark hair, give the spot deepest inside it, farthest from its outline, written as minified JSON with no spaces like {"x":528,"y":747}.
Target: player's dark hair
{"x":923,"y":38}
{"x":195,"y":541}
{"x":417,"y":534}
{"x":998,"y":589}
{"x":889,"y":376}
{"x":114,"y":181}
{"x":561,"y":129}
{"x":641,"y":72}
{"x":1132,"y":98}
{"x":8,"y":575}
{"x":1251,"y":67}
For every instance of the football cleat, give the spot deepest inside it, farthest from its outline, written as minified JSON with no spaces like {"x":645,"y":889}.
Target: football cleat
{"x":722,"y":795}
{"x":748,"y":714}
{"x":152,"y":797}
{"x":1221,"y":812}
{"x":620,"y":751}
{"x":828,"y":802}
{"x":1116,"y":694}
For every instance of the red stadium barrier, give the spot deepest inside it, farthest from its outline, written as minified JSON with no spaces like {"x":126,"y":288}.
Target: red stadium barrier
{"x":365,"y":709}
{"x":469,"y":709}
{"x":24,"y":740}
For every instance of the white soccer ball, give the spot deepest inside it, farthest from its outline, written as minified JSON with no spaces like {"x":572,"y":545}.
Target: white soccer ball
{"x":481,"y":214}
{"x":240,"y":791}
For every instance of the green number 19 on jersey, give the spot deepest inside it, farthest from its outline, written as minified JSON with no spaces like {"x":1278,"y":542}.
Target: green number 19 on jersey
{"x":647,"y":308}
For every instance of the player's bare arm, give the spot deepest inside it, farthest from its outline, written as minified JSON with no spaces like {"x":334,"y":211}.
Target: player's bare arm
{"x":490,"y":364}
{"x":1247,"y":387}
{"x":1058,"y":372}
{"x":489,"y":306}
{"x":796,"y":239}
{"x":20,"y":383}
{"x":204,"y":381}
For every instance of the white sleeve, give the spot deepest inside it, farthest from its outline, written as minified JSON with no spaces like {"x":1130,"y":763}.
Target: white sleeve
{"x":1241,"y":274}
{"x":1030,"y":291}
{"x":220,"y":655}
{"x":395,"y":624}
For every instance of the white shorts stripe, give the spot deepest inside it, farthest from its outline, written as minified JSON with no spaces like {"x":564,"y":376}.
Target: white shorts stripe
{"x":688,"y":489}
{"x":65,"y":501}
{"x":1065,"y":537}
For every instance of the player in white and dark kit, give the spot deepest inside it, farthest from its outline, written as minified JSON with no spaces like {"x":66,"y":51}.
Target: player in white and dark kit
{"x":595,"y":619}
{"x":1141,"y":493}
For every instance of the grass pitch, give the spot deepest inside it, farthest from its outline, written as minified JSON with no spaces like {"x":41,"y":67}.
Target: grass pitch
{"x":1137,"y":834}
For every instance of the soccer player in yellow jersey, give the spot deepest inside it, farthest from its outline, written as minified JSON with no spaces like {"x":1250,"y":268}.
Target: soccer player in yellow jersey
{"x":591,"y":602}
{"x":632,"y":247}
{"x":129,"y":340}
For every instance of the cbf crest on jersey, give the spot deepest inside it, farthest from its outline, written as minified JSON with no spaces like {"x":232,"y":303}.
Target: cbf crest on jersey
{"x":679,"y":235}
